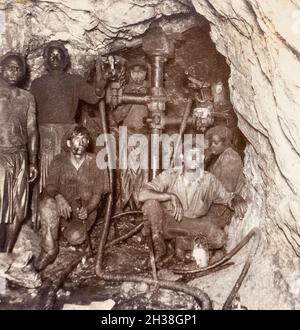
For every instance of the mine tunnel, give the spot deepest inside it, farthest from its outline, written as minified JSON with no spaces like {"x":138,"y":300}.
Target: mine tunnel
{"x":223,"y":58}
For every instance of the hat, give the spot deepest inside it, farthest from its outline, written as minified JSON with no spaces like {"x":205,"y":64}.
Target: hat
{"x":141,"y":61}
{"x":223,"y":132}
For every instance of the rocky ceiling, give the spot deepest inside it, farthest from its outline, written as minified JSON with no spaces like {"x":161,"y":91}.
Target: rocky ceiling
{"x":261,"y":43}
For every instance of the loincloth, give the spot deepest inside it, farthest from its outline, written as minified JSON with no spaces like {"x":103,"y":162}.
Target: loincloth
{"x":13,"y":184}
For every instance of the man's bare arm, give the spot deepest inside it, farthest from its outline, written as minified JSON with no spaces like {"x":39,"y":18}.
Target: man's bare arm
{"x":32,"y":146}
{"x":93,"y":203}
{"x":148,"y":194}
{"x":151,"y":194}
{"x":101,"y":79}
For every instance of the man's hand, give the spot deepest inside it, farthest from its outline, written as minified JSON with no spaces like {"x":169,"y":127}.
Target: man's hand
{"x":63,"y":207}
{"x":178,"y":209}
{"x":197,"y":122}
{"x":239,"y":205}
{"x":82,"y":213}
{"x":33,"y":173}
{"x":101,"y":74}
{"x":101,"y":77}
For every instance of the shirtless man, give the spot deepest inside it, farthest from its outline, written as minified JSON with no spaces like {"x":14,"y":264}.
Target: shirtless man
{"x":18,"y":148}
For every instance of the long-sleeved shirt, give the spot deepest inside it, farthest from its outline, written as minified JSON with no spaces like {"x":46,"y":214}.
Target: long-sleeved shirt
{"x":88,"y":182}
{"x":196,"y":197}
{"x":57,"y":95}
{"x":132,"y":115}
{"x":228,"y":168}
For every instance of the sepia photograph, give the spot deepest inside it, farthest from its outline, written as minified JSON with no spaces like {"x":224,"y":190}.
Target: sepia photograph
{"x":149,"y":156}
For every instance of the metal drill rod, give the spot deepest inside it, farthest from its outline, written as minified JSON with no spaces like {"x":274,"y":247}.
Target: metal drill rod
{"x":157,"y":71}
{"x":135,"y":99}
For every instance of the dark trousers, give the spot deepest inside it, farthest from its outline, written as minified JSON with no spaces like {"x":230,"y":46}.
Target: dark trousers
{"x":163,"y":227}
{"x":50,"y":225}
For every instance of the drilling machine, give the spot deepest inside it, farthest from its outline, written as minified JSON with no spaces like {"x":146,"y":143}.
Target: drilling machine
{"x":159,"y":48}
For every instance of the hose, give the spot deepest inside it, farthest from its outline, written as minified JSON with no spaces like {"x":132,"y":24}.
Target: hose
{"x":108,"y":211}
{"x":119,"y":215}
{"x":228,"y":256}
{"x":200,"y":296}
{"x":255,"y":233}
{"x":133,"y":231}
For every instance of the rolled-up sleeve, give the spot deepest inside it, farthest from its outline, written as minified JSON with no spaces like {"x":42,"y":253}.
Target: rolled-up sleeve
{"x":161,"y":182}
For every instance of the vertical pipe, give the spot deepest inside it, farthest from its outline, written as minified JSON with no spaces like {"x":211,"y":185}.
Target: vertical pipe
{"x":201,"y":297}
{"x":157,"y":71}
{"x":157,"y":80}
{"x":100,"y":254}
{"x":155,"y":152}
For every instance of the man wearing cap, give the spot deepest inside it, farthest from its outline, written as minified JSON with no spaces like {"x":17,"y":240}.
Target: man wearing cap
{"x":18,"y":148}
{"x":57,"y":94}
{"x":73,"y":191}
{"x":177,"y":203}
{"x":132,"y":116}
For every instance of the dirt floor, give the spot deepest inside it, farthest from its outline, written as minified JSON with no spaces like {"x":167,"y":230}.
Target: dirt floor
{"x":82,"y":289}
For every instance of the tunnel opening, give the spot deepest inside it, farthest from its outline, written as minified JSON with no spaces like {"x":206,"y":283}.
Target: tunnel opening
{"x":196,"y":59}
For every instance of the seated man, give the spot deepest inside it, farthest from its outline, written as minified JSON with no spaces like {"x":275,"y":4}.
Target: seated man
{"x":177,"y":203}
{"x":73,"y":191}
{"x":226,"y":165}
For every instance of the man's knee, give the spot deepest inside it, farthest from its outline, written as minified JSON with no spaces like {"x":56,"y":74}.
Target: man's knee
{"x":218,"y":240}
{"x":48,"y":210}
{"x":151,"y":206}
{"x":47,"y":204}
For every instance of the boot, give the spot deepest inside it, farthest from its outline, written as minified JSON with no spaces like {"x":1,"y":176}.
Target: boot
{"x":182,"y":245}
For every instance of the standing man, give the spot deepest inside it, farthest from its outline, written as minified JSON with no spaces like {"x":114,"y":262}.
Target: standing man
{"x":131,"y":116}
{"x":73,"y":193}
{"x":177,"y":203}
{"x":57,"y":94}
{"x":18,"y":148}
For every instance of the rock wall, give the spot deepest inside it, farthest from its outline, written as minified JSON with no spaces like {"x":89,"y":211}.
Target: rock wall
{"x":89,"y":27}
{"x":261,"y":43}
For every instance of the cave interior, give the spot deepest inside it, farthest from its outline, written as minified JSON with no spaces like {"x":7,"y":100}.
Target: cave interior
{"x":199,"y":42}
